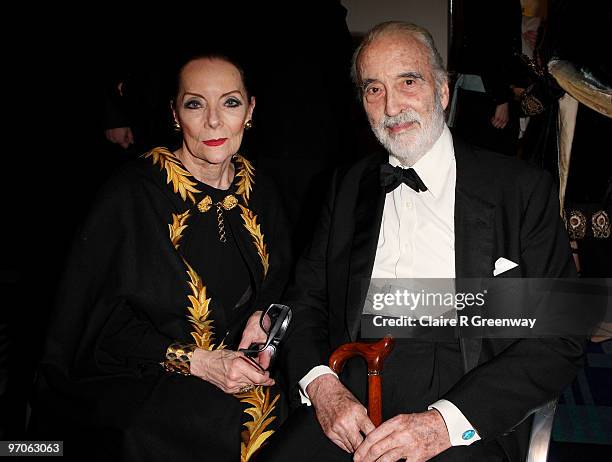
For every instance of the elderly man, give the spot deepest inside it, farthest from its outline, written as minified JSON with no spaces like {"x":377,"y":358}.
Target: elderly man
{"x":432,"y":208}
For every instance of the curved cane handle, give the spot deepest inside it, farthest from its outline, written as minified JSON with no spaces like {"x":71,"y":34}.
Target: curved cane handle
{"x":374,"y":355}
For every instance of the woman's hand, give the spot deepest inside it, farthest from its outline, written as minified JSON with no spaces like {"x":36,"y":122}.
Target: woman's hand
{"x":253,"y":333}
{"x":228,"y":370}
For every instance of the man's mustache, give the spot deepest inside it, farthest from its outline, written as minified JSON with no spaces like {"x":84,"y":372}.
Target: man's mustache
{"x":409,"y":116}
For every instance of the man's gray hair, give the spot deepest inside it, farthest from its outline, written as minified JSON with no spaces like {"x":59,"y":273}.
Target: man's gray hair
{"x":401,"y":27}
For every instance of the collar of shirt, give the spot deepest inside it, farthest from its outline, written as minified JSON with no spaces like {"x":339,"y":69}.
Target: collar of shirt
{"x":434,"y":167}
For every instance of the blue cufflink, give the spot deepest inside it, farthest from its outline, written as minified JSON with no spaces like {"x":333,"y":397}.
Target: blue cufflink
{"x":468,"y":435}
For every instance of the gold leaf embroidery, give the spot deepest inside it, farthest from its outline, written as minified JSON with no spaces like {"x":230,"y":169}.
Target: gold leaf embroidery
{"x":199,"y":312}
{"x":254,"y":435}
{"x":177,"y":227}
{"x":245,"y":180}
{"x":250,"y":223}
{"x":175,"y":173}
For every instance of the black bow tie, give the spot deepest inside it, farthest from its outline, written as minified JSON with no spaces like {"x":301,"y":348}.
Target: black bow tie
{"x":391,"y":177}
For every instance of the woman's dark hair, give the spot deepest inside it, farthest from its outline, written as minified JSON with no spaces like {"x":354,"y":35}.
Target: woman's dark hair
{"x":224,"y":55}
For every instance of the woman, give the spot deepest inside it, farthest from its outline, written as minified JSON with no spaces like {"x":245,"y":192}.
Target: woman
{"x":179,"y":252}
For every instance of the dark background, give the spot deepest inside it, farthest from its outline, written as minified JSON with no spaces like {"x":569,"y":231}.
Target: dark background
{"x":58,"y":64}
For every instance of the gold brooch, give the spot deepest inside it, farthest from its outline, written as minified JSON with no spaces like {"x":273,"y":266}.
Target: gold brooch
{"x":229,"y":202}
{"x":205,"y":204}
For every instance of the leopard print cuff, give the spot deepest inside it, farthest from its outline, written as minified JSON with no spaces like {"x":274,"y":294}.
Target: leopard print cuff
{"x":178,"y":358}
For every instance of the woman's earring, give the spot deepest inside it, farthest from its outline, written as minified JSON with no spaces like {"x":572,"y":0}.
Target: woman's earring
{"x":177,"y":126}
{"x":248,"y":124}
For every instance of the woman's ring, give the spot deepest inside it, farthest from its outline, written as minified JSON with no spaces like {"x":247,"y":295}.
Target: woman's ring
{"x":246,"y":388}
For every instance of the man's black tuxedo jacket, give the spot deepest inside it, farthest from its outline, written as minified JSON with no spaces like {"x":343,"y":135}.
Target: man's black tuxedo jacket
{"x":503,"y":208}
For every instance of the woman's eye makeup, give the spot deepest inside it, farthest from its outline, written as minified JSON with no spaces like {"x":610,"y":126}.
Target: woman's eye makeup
{"x":192,"y":104}
{"x":233,"y":102}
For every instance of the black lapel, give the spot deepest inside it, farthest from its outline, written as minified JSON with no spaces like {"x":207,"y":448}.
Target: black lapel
{"x":367,"y":217}
{"x":474,"y":224}
{"x":474,"y":216}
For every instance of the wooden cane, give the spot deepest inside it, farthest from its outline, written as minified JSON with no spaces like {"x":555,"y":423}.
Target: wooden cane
{"x":374,"y":354}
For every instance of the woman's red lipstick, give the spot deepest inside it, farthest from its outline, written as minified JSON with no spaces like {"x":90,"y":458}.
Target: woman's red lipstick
{"x":216,"y":142}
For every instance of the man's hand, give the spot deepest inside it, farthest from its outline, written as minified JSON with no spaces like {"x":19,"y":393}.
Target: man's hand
{"x":226,"y":369}
{"x":253,"y":333}
{"x":341,"y":416}
{"x":121,"y":135}
{"x":414,"y":437}
{"x":501,"y":117}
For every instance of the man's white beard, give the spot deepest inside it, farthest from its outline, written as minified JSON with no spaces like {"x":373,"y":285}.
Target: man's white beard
{"x":409,"y":151}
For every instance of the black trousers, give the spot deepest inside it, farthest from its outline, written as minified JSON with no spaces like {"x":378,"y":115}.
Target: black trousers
{"x":415,"y":375}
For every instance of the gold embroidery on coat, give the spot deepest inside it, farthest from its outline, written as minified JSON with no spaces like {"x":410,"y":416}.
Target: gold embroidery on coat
{"x":177,"y":227}
{"x":245,"y":176}
{"x":198,"y":311}
{"x":255,"y":434}
{"x":250,"y":223}
{"x":175,"y":172}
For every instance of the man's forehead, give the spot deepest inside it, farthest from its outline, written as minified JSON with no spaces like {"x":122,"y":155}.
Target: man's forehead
{"x":393,"y":53}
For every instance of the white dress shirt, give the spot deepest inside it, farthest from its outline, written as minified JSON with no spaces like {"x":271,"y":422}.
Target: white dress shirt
{"x":417,"y":232}
{"x":417,"y":239}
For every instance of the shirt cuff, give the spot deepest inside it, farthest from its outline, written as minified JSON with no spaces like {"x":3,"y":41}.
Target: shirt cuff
{"x":460,"y":430}
{"x":315,"y":372}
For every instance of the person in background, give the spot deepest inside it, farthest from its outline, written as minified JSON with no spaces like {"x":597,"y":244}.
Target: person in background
{"x":483,"y":111}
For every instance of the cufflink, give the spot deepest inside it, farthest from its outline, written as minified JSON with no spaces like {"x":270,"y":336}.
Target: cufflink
{"x":468,"y":435}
